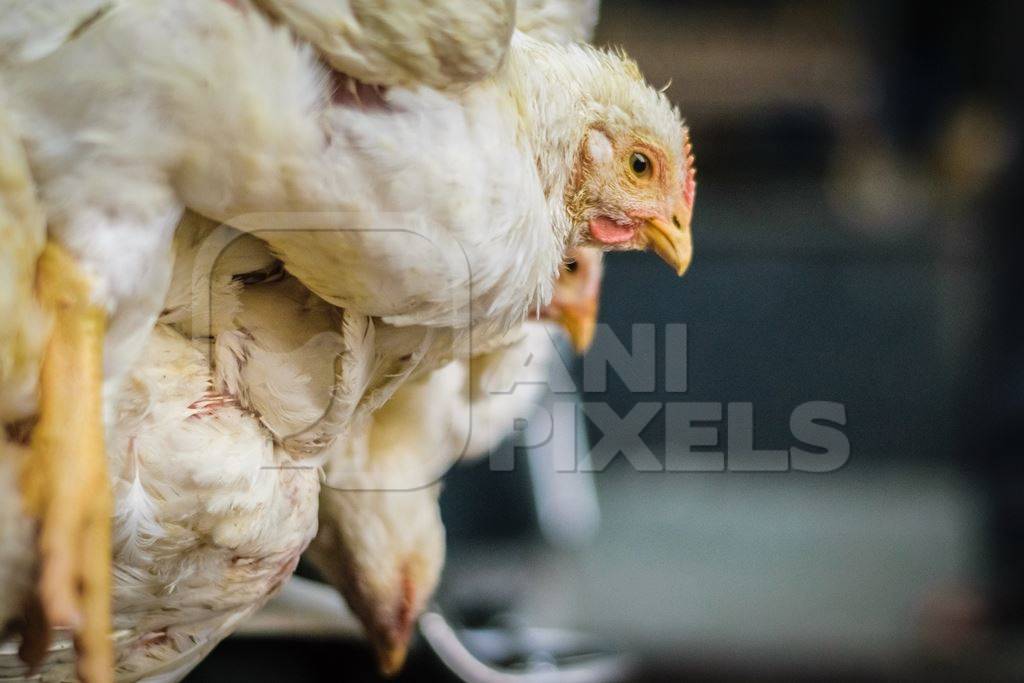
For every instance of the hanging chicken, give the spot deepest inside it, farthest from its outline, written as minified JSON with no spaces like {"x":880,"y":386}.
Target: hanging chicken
{"x":381,"y":487}
{"x":436,"y":207}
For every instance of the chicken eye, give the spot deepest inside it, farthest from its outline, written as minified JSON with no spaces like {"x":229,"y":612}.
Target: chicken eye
{"x":640,"y":165}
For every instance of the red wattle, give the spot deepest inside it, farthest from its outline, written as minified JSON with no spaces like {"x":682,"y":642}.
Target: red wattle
{"x":607,"y":231}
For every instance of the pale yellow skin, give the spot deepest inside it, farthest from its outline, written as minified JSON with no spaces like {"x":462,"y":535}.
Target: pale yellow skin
{"x":65,"y":482}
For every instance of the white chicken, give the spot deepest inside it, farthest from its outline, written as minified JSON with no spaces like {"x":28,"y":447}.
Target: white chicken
{"x":219,"y":111}
{"x":204,"y":538}
{"x":393,"y":462}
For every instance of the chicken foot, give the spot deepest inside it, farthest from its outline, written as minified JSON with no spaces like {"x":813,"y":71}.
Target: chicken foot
{"x":65,"y":481}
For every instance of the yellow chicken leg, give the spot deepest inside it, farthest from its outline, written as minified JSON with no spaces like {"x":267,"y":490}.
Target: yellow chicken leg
{"x":65,"y":481}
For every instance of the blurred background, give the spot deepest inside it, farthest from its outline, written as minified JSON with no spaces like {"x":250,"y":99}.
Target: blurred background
{"x":857,"y":235}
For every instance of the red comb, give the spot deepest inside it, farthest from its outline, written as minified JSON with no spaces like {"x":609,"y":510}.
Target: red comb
{"x":690,"y":184}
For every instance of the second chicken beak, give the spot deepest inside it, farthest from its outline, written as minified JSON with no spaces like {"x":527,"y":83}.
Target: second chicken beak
{"x":579,"y":321}
{"x":576,"y":297}
{"x":391,"y":659}
{"x":670,"y":241}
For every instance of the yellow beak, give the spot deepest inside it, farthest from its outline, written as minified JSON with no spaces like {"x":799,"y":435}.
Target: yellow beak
{"x":392,"y":659}
{"x":670,"y":241}
{"x":579,"y":321}
{"x":575,"y":300}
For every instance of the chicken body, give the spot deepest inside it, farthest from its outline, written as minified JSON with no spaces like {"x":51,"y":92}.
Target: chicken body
{"x":426,"y":209}
{"x":210,"y":516}
{"x":208,"y":509}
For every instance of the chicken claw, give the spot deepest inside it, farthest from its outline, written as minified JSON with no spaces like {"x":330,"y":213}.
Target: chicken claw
{"x":65,"y":480}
